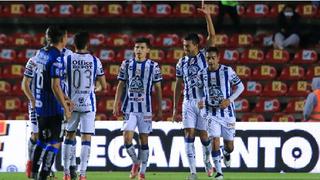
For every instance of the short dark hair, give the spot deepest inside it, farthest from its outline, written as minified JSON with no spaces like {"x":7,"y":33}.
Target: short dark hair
{"x":192,"y":37}
{"x":143,"y":40}
{"x":81,"y":39}
{"x":212,"y":49}
{"x":54,"y":34}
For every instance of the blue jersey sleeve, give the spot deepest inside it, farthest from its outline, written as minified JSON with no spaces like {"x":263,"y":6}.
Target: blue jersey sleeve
{"x":56,"y":70}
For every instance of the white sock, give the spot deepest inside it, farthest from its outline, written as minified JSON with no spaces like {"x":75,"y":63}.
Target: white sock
{"x":132,"y":153}
{"x":84,"y":157}
{"x":217,"y":160}
{"x":31,"y":148}
{"x":73,"y":154}
{"x":144,"y":156}
{"x":190,"y":151}
{"x":67,"y":154}
{"x":206,"y":150}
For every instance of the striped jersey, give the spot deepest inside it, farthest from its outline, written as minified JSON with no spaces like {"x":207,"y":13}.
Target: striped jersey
{"x":65,"y":52}
{"x":188,"y":68}
{"x":82,"y":70}
{"x":139,"y":78}
{"x":218,"y":86}
{"x":49,"y":62}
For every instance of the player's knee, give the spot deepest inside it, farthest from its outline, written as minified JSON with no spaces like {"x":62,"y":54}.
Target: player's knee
{"x":189,"y":133}
{"x":229,"y":147}
{"x":86,"y":137}
{"x":143,"y":138}
{"x":70,"y":135}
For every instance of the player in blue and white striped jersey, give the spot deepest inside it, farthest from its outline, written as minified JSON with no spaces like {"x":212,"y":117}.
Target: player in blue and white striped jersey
{"x":82,"y":70}
{"x":218,"y":105}
{"x":137,"y":76}
{"x":186,"y":72}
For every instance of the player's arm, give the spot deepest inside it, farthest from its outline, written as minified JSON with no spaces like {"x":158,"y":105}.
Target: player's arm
{"x":210,"y":28}
{"x":159,"y":97}
{"x":58,"y":93}
{"x":120,"y":87}
{"x":25,"y":85}
{"x":102,"y":82}
{"x":176,"y":97}
{"x":239,"y":89}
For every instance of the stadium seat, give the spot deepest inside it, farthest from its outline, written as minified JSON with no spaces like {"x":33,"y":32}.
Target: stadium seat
{"x":264,"y":72}
{"x":12,"y":104}
{"x":124,"y":54}
{"x":277,"y":56}
{"x":252,"y":88}
{"x":63,"y":10}
{"x":117,"y":40}
{"x":101,"y":117}
{"x":295,"y":105}
{"x":241,"y":105}
{"x":24,"y":105}
{"x":167,"y":89}
{"x":2,"y":116}
{"x":251,"y":56}
{"x":3,"y":39}
{"x":184,"y":10}
{"x":275,"y":89}
{"x":275,"y":10}
{"x":101,"y":94}
{"x":221,"y":40}
{"x":174,"y":55}
{"x":252,"y":118}
{"x":38,"y":40}
{"x":101,"y":105}
{"x":13,"y":10}
{"x":111,"y":10}
{"x":244,"y":72}
{"x":229,"y":56}
{"x":264,"y":39}
{"x":156,"y":55}
{"x":292,"y":73}
{"x":167,"y":105}
{"x":299,"y":88}
{"x":70,"y":40}
{"x":305,"y":56}
{"x":213,"y":9}
{"x":13,"y":71}
{"x":267,"y":105}
{"x":241,"y":40}
{"x":18,"y":116}
{"x":97,"y":39}
{"x":87,"y":10}
{"x":38,"y":10}
{"x":282,"y":117}
{"x":160,"y":10}
{"x":168,"y":72}
{"x":16,"y":89}
{"x":106,"y":55}
{"x":167,"y":40}
{"x":112,"y":71}
{"x":109,"y":104}
{"x":306,"y":10}
{"x":257,"y":10}
{"x":7,"y":55}
{"x":20,"y":39}
{"x":167,"y":116}
{"x":241,"y":10}
{"x":5,"y":87}
{"x":25,"y":54}
{"x":136,"y":10}
{"x":312,"y":72}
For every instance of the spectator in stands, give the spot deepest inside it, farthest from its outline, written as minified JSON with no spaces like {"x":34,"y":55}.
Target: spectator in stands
{"x":288,"y":29}
{"x":228,"y":7}
{"x":311,"y":111}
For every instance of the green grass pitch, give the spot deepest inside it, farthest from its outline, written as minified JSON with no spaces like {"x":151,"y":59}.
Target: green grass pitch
{"x":179,"y":175}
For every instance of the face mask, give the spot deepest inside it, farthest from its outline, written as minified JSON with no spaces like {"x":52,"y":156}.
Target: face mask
{"x":288,"y":14}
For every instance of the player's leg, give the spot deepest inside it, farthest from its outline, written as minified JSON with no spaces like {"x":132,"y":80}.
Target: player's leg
{"x":73,"y":164}
{"x":32,"y":141}
{"x":228,"y":134}
{"x":215,"y":133}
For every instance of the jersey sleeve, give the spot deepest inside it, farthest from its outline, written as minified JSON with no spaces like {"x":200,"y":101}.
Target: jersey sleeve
{"x":233,"y":77}
{"x":123,"y":72}
{"x":30,"y":68}
{"x":99,"y":71}
{"x":56,"y":67}
{"x":179,"y":71}
{"x":157,"y":76}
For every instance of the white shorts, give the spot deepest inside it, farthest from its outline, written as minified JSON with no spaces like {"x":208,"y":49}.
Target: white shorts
{"x":191,"y":117}
{"x":219,"y":127}
{"x":33,"y":120}
{"x":142,"y":120}
{"x":86,"y":120}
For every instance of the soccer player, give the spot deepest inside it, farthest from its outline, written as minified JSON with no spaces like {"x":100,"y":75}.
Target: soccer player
{"x":137,"y":76}
{"x":218,"y":105}
{"x":83,"y":70}
{"x":186,"y":72}
{"x":50,"y":102}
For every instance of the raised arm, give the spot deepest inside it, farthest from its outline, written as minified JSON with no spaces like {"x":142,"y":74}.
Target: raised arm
{"x":210,"y":28}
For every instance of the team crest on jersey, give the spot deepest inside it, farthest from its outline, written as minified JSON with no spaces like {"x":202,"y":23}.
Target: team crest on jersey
{"x":193,"y":70}
{"x":215,"y":95}
{"x":81,"y":100}
{"x":136,"y":85}
{"x":213,"y":81}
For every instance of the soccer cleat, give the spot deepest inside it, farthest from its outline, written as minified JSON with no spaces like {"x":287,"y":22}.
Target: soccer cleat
{"x":67,"y":177}
{"x":227,"y":160}
{"x":28,"y":168}
{"x":73,"y":172}
{"x":209,"y":169}
{"x":52,"y":176}
{"x":134,"y":170}
{"x":142,"y":177}
{"x":218,"y":176}
{"x":192,"y":177}
{"x":82,"y":177}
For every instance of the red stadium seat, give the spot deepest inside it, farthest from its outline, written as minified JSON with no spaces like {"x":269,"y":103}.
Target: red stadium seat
{"x":14,"y":10}
{"x":252,"y":118}
{"x":312,"y":72}
{"x":106,"y":55}
{"x":277,"y":56}
{"x":252,"y":88}
{"x":184,"y":10}
{"x":213,"y":9}
{"x":167,"y":105}
{"x":292,"y":73}
{"x":38,"y":10}
{"x":167,"y":89}
{"x":112,"y":10}
{"x":16,"y":89}
{"x":241,"y":40}
{"x":241,"y":105}
{"x":38,"y":40}
{"x":87,"y":10}
{"x":299,"y":88}
{"x":97,"y":39}
{"x":102,"y":94}
{"x":221,"y":40}
{"x":2,"y":116}
{"x":306,"y":10}
{"x":13,"y":71}
{"x":305,"y":56}
{"x":295,"y":106}
{"x":136,"y":10}
{"x":101,"y":117}
{"x":63,"y":10}
{"x":244,"y":72}
{"x":267,"y":105}
{"x":112,"y":71}
{"x":109,"y":104}
{"x":167,"y":116}
{"x":229,"y":56}
{"x":70,"y":40}
{"x":257,"y":10}
{"x":20,"y":39}
{"x":117,"y":40}
{"x":5,"y":87}
{"x":18,"y":116}
{"x":275,"y":10}
{"x":156,"y":55}
{"x":167,"y":40}
{"x":101,"y":105}
{"x":160,"y":10}
{"x":252,"y":56}
{"x":174,"y":55}
{"x":264,"y":72}
{"x":12,"y":104}
{"x":3,"y":39}
{"x":25,"y":54}
{"x":275,"y":89}
{"x":264,"y":39}
{"x":7,"y":55}
{"x":241,"y":10}
{"x":124,"y":54}
{"x":168,"y":72}
{"x":281,"y":117}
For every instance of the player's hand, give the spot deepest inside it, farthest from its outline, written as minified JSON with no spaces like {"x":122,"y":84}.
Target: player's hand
{"x":159,"y":116}
{"x":200,"y":104}
{"x":67,"y":114}
{"x":224,"y":103}
{"x":204,"y":10}
{"x":116,"y":111}
{"x":70,"y":105}
{"x":33,"y":103}
{"x":98,"y":87}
